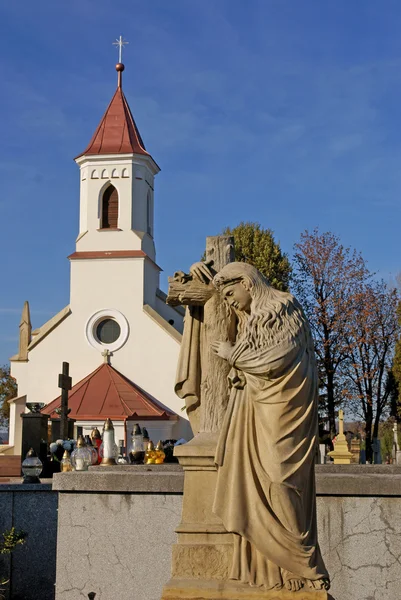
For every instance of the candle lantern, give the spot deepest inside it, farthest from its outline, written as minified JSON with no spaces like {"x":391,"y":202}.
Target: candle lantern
{"x":110,"y":449}
{"x":146,"y":438}
{"x":160,"y":454}
{"x":137,"y":453}
{"x":95,"y":455}
{"x":81,"y":458}
{"x":96,"y":442}
{"x":121,"y":460}
{"x":31,"y":467}
{"x":66,"y":462}
{"x":150,"y":454}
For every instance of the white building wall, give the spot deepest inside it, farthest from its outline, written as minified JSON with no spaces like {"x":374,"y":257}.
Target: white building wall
{"x":148,"y":358}
{"x":169,"y":314}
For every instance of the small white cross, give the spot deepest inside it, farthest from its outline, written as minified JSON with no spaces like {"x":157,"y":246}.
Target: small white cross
{"x":106,"y":355}
{"x":120,"y":42}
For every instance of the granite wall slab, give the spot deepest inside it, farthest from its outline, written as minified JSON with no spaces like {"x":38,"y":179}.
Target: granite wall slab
{"x":31,"y":568}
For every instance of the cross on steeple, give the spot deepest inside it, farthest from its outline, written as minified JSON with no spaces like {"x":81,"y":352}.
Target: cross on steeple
{"x":120,"y":42}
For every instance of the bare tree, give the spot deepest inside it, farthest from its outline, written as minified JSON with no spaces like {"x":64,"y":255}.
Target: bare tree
{"x":327,"y":277}
{"x":371,"y":336}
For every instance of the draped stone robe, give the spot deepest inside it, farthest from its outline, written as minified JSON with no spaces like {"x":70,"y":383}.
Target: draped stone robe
{"x":265,"y":484}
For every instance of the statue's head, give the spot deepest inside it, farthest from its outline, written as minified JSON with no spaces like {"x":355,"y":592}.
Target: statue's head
{"x":239,"y":283}
{"x":266,"y":315}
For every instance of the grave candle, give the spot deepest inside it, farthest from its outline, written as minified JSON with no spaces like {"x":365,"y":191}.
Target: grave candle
{"x":81,"y":458}
{"x":109,"y":445}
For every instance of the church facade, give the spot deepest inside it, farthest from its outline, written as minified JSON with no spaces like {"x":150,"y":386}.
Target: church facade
{"x":117,"y":315}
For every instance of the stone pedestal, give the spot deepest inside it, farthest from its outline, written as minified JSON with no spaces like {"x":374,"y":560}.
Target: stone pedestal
{"x":204,"y":547}
{"x":202,"y":556}
{"x":231,"y":590}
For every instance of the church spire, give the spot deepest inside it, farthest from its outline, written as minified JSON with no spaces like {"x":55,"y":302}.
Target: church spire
{"x":117,"y":132}
{"x":25,"y":331}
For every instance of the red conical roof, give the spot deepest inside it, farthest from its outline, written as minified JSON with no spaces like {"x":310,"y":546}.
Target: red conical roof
{"x":117,"y":132}
{"x":107,"y":393}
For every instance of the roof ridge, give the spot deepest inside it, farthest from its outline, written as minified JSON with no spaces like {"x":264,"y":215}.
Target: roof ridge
{"x":105,"y":396}
{"x":133,"y":123}
{"x":83,"y":395}
{"x":124,"y":381}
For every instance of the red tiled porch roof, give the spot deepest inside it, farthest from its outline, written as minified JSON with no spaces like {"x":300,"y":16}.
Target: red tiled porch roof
{"x":107,"y":393}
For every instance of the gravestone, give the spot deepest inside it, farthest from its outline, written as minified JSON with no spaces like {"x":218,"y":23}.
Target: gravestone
{"x":65,"y":383}
{"x":34,"y":434}
{"x":56,"y":429}
{"x":341,"y":455}
{"x":355,"y":450}
{"x":377,"y":453}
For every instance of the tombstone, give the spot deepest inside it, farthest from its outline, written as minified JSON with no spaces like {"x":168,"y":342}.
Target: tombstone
{"x":56,"y":426}
{"x":377,"y":454}
{"x":322,"y":453}
{"x":65,"y":383}
{"x":34,"y":434}
{"x":355,"y":450}
{"x":341,"y":455}
{"x":396,"y":454}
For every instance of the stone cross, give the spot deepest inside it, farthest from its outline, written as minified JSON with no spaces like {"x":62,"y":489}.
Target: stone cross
{"x":341,"y":454}
{"x":395,"y":431}
{"x":341,"y":421}
{"x":106,"y":356}
{"x":65,"y":383}
{"x":217,"y":324}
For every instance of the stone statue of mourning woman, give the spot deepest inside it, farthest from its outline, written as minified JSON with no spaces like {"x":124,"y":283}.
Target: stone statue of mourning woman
{"x":264,"y":491}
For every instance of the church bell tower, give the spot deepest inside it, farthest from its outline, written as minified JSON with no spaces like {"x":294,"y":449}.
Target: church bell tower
{"x":115,"y":248}
{"x":117,"y":184}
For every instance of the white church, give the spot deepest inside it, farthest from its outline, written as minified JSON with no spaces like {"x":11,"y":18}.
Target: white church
{"x":118,"y":335}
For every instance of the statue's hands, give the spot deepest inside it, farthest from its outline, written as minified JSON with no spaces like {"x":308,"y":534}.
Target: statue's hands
{"x":222,"y":349}
{"x":201,"y":271}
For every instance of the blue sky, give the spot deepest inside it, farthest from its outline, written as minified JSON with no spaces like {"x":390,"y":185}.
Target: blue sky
{"x":276,"y":111}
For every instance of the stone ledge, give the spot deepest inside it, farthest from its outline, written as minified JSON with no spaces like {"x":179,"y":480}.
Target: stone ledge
{"x":331,"y":480}
{"x":361,"y":484}
{"x":114,"y":480}
{"x":16,"y":485}
{"x":356,"y":469}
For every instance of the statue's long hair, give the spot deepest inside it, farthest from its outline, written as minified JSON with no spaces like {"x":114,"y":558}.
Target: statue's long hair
{"x":274,"y":316}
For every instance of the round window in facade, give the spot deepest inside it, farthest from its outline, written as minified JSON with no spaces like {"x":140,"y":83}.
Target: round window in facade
{"x":107,"y":329}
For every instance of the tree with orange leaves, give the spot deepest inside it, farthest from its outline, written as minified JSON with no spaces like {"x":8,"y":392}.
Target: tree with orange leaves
{"x":327,"y":276}
{"x":371,"y":336}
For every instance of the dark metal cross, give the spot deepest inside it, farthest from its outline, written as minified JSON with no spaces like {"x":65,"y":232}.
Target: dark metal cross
{"x":65,"y":383}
